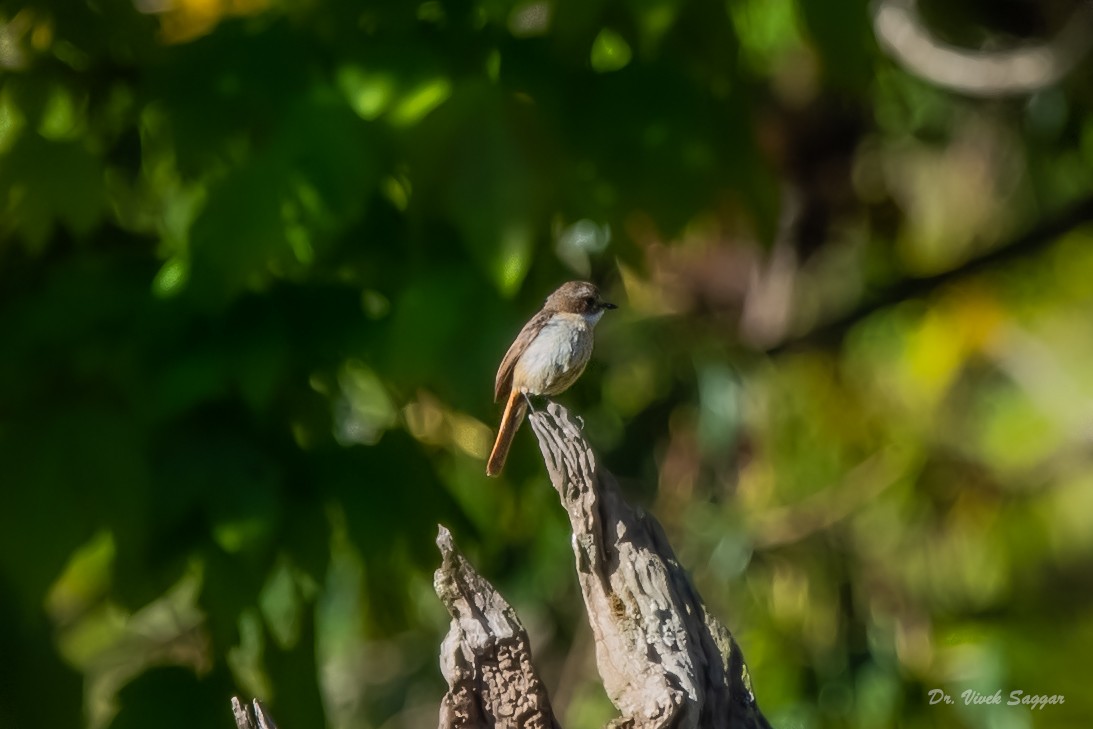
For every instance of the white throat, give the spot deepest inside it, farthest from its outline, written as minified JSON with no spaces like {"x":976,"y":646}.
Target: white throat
{"x":593,"y":317}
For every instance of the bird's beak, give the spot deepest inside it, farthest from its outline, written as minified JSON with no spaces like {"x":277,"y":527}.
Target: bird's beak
{"x":608,"y":305}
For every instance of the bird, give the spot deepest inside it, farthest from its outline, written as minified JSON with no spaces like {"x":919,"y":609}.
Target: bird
{"x":548,"y":356}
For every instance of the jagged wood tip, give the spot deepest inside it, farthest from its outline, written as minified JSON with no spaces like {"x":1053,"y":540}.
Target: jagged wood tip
{"x":664,"y":660}
{"x":486,"y":656}
{"x":251,"y":716}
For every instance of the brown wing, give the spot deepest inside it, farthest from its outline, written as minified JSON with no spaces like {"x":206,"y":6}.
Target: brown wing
{"x":503,"y":384}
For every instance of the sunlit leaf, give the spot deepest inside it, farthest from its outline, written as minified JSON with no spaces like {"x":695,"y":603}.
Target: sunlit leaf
{"x":610,"y":51}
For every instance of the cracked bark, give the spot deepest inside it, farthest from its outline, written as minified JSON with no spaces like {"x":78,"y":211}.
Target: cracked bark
{"x":486,"y":656}
{"x":664,"y":660}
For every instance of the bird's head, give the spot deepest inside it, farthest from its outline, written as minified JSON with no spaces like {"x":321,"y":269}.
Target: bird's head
{"x":579,"y":297}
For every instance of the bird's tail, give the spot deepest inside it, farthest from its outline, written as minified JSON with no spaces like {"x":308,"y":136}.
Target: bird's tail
{"x":515,"y":409}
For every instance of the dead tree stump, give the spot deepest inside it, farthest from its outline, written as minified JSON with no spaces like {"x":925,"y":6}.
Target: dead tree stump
{"x":664,"y":660}
{"x":486,"y":657}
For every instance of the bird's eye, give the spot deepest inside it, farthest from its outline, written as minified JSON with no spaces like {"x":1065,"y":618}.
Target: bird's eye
{"x":590,"y":300}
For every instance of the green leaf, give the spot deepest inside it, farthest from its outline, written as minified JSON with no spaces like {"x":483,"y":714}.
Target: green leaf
{"x":49,"y":183}
{"x":610,"y":52}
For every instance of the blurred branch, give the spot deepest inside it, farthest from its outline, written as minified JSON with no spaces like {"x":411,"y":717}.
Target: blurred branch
{"x":1035,"y":367}
{"x":767,"y":306}
{"x":665,"y":661}
{"x":902,"y":33}
{"x":486,"y":656}
{"x":251,"y":716}
{"x":864,"y":483}
{"x":1045,"y":233}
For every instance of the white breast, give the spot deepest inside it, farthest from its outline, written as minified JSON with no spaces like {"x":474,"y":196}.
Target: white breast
{"x":557,"y":355}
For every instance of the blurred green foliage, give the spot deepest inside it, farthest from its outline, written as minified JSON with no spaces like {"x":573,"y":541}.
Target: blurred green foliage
{"x":259,"y":260}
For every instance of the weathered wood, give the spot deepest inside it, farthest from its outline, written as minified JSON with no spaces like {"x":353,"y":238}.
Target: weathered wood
{"x":486,"y":656}
{"x":251,"y":716}
{"x":664,"y":660}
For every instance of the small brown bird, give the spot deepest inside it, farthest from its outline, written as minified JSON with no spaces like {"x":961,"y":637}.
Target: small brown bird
{"x":548,"y":356}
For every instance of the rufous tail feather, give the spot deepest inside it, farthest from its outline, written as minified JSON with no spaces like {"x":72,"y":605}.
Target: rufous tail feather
{"x":515,"y":409}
